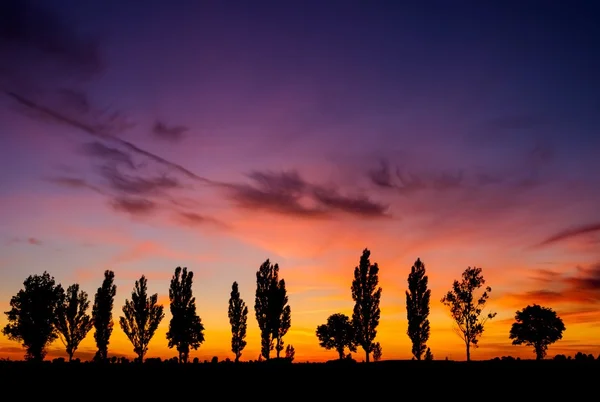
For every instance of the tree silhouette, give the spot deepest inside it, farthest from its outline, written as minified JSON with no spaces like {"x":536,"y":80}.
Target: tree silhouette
{"x":282,"y":314}
{"x":102,"y":314}
{"x":377,"y":351}
{"x":141,"y":318}
{"x":238,"y":316}
{"x":337,"y":334}
{"x":32,"y":315}
{"x":466,"y":310}
{"x":72,"y":320}
{"x":366,"y":295}
{"x":537,"y":326}
{"x":428,"y":355}
{"x":417,"y":309}
{"x":272,"y":312}
{"x":185,"y":329}
{"x":290,"y":353}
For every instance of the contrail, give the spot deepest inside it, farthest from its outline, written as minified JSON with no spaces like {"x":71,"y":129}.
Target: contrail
{"x":92,"y":131}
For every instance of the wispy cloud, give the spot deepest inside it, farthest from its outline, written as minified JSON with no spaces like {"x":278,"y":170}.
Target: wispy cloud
{"x":169,"y":133}
{"x":288,"y":193}
{"x":99,"y":150}
{"x":134,"y":206}
{"x":570,"y":233}
{"x":33,"y":241}
{"x":407,"y":183}
{"x":580,"y":288}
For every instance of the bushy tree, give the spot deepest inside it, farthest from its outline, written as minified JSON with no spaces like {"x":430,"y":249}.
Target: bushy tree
{"x":377,"y":351}
{"x":32,"y":315}
{"x":185,"y":329}
{"x":466,"y":310}
{"x":273,"y":314}
{"x":141,"y":317}
{"x":72,"y":320}
{"x":238,"y":316}
{"x":337,"y":333}
{"x":417,"y":308}
{"x":366,"y":294}
{"x":428,"y":355}
{"x":290,"y":353}
{"x":102,"y":314}
{"x":537,"y":326}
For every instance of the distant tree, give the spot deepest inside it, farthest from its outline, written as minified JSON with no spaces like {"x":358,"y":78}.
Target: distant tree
{"x":466,"y":310}
{"x":337,"y":334}
{"x":560,"y":357}
{"x":102,"y":314}
{"x":537,"y":326}
{"x":142,"y":315}
{"x":290,"y":353}
{"x":72,"y":320}
{"x":377,"y":352}
{"x":185,"y":329}
{"x":580,"y":356}
{"x":32,"y":315}
{"x":282,"y":318}
{"x":417,"y":309}
{"x":366,"y":295}
{"x":272,"y":312}
{"x":428,"y":355}
{"x":238,"y":316}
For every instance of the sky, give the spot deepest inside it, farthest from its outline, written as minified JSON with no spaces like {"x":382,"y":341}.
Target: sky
{"x":215,"y":135}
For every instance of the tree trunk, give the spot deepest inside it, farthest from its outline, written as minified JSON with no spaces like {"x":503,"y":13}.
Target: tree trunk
{"x":70,"y":356}
{"x":468,"y":351}
{"x":341,"y":353}
{"x":367,"y":352}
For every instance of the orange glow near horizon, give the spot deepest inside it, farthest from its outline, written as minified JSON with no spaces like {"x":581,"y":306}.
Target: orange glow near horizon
{"x":311,"y":305}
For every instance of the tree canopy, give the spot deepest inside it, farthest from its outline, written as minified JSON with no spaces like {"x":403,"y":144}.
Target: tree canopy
{"x":72,"y":319}
{"x":141,"y":317}
{"x":466,"y":310}
{"x":186,"y":330}
{"x":337,"y":333}
{"x":102,"y":314}
{"x":417,"y":309}
{"x":273,"y":313}
{"x":238,"y":316}
{"x":32,"y":315}
{"x":537,"y":326}
{"x":366,"y":294}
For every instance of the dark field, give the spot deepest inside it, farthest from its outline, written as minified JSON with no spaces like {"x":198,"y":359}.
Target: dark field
{"x":518,"y":380}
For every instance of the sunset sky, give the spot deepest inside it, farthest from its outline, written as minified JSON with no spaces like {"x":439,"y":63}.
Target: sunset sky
{"x":141,"y":136}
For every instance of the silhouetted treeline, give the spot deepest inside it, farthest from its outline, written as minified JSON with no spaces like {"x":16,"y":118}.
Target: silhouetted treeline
{"x":43,"y":311}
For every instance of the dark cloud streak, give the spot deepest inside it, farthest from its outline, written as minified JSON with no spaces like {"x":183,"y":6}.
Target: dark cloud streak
{"x":134,"y":206}
{"x":570,"y":233}
{"x":90,"y":130}
{"x":288,"y":193}
{"x":99,"y":150}
{"x":169,"y":133}
{"x":582,"y":286}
